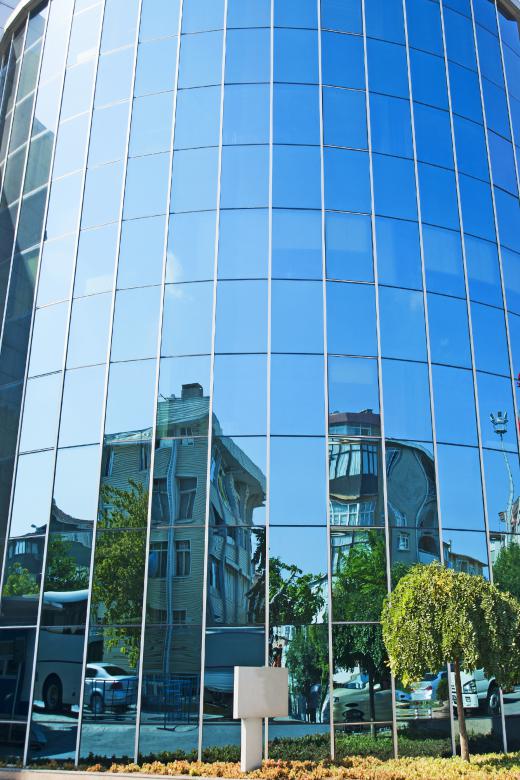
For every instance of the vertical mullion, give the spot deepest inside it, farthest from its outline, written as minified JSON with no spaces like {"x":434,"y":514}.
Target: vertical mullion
{"x":156,"y":391}
{"x":108,"y":363}
{"x":508,"y":101}
{"x":268,"y":362}
{"x":379,"y":357}
{"x":468,"y":303}
{"x":7,"y":146}
{"x":502,"y":283}
{"x":211,"y":380}
{"x":29,"y":343}
{"x":326,"y":392}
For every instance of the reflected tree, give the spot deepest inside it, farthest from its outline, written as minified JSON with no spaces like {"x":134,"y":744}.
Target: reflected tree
{"x":63,"y":572}
{"x":295,"y":598}
{"x":308,"y":661}
{"x":117,"y":588}
{"x":506,"y":569}
{"x":20,"y":582}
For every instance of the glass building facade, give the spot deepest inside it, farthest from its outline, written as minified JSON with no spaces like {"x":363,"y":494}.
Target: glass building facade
{"x":260,"y":353}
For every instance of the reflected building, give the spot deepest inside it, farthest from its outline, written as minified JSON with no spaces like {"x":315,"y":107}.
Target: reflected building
{"x":259,"y":311}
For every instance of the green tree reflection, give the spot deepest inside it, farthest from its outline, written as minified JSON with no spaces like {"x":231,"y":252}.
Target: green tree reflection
{"x":20,"y":582}
{"x":117,"y":588}
{"x":506,"y":569}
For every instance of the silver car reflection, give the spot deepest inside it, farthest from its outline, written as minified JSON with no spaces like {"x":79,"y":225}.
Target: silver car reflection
{"x":109,"y":687}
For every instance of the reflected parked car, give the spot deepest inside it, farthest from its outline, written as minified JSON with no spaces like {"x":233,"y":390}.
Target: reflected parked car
{"x":109,"y":687}
{"x":424,"y":690}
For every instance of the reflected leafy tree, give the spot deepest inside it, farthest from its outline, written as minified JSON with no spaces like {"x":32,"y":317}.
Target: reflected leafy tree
{"x":506,"y":569}
{"x":117,"y":588}
{"x":295,"y":598}
{"x":63,"y":572}
{"x":20,"y":582}
{"x":308,"y":661}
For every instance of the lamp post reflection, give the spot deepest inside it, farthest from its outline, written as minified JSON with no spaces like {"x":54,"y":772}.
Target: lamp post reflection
{"x":500,"y":422}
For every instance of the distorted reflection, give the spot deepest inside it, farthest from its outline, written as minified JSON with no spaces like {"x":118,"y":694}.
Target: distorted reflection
{"x":304,"y":651}
{"x":361,"y":677}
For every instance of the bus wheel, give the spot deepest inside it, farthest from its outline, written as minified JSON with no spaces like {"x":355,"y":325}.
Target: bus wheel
{"x":53,"y":694}
{"x":97,"y":705}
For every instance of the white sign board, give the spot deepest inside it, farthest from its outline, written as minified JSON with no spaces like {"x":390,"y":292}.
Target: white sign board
{"x":260,"y":692}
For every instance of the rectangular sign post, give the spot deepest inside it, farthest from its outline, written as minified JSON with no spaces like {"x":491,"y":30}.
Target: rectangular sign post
{"x":259,"y":692}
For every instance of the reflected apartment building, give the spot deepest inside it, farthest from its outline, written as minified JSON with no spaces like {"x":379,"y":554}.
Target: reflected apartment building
{"x":259,"y":346}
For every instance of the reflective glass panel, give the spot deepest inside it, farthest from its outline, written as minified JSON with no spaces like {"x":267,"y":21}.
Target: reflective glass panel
{"x":351,"y":327}
{"x":41,"y":412}
{"x":455,"y":416}
{"x":136,"y":315}
{"x":141,"y":253}
{"x":151,"y":124}
{"x":449,"y":334}
{"x":102,"y":199}
{"x":246,"y":115}
{"x":89,"y":330}
{"x":243,"y":244}
{"x":82,"y":406}
{"x":241,"y":321}
{"x":108,"y":134}
{"x":460,"y":500}
{"x":48,"y":339}
{"x":191,"y":247}
{"x":348,"y":244}
{"x":394,"y":187}
{"x":239,"y":394}
{"x":247,"y":55}
{"x":342,"y":61}
{"x":76,"y":484}
{"x":297,"y":395}
{"x":156,"y":63}
{"x":398,"y":253}
{"x":96,"y":258}
{"x":407,"y":400}
{"x":197,"y":117}
{"x":296,"y":177}
{"x":490,"y":353}
{"x":353,"y":388}
{"x":293,"y":461}
{"x":344,"y":118}
{"x":146,"y":186}
{"x":391,"y":125}
{"x":187,"y":319}
{"x":402,"y":324}
{"x":347,"y":185}
{"x":296,"y":114}
{"x":296,"y":316}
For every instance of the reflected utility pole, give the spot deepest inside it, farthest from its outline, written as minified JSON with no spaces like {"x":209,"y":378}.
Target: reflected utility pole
{"x":499,"y":423}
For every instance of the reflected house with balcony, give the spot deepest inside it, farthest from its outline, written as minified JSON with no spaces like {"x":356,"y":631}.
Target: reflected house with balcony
{"x":259,"y":336}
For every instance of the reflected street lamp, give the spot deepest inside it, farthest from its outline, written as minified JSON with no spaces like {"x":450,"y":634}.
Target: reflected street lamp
{"x":499,"y":422}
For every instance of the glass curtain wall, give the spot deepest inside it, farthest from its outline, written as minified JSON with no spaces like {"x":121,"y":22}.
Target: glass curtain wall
{"x":260,"y":323}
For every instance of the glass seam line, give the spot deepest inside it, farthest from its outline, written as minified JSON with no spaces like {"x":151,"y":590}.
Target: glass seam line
{"x":468,"y":303}
{"x":16,"y":450}
{"x":62,"y":372}
{"x":211,"y":393}
{"x":156,"y":389}
{"x":2,"y":324}
{"x":426,"y":314}
{"x":10,"y":132}
{"x":508,"y":100}
{"x":107,"y":369}
{"x":326,"y":392}
{"x":29,"y":344}
{"x":379,"y":350}
{"x":268,"y":359}
{"x":502,"y":284}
